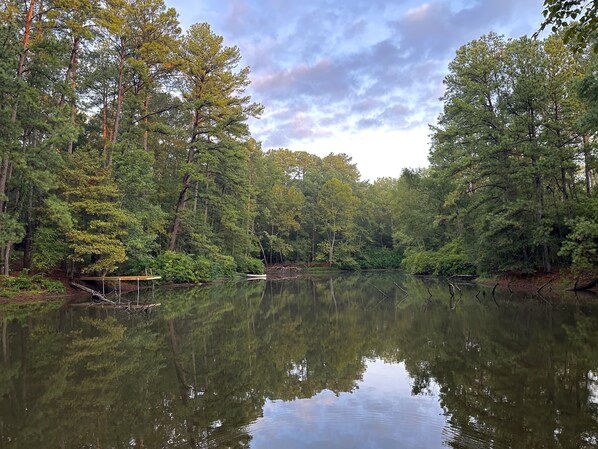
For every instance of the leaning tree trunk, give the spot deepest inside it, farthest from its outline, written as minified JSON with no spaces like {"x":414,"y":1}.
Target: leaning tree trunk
{"x":119,"y":103}
{"x":586,"y":153}
{"x":175,"y":229}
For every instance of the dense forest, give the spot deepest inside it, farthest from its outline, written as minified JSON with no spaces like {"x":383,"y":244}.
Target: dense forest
{"x":125,"y":146}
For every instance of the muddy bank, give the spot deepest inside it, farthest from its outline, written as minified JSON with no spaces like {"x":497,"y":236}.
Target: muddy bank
{"x":543,"y":283}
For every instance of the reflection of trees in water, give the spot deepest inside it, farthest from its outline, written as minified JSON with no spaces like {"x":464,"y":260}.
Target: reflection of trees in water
{"x":512,"y":375}
{"x":198,"y":371}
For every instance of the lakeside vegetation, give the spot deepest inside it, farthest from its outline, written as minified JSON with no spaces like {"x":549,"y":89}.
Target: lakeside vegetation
{"x":125,"y":146}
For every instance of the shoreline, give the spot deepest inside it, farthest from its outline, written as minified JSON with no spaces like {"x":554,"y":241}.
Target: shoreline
{"x":541,"y":283}
{"x":548,"y":284}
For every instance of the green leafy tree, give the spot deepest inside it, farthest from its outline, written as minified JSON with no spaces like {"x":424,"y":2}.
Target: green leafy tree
{"x":214,"y":95}
{"x":336,"y":211}
{"x":579,"y":18}
{"x":508,"y":142}
{"x":284,"y":212}
{"x":98,"y":220}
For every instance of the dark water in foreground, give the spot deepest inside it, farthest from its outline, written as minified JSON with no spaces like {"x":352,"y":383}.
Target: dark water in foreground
{"x":343,"y":362}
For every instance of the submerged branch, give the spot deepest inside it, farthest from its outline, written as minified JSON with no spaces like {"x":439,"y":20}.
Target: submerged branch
{"x":92,"y":292}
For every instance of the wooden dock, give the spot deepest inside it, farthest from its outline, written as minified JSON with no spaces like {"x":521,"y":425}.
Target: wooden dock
{"x":119,"y":279}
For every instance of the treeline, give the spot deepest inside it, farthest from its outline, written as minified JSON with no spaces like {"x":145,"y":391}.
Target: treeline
{"x":124,"y":145}
{"x":512,"y":180}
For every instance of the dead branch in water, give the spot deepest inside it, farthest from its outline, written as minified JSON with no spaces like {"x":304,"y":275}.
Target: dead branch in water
{"x":545,"y":284}
{"x":92,"y":292}
{"x":586,"y":286}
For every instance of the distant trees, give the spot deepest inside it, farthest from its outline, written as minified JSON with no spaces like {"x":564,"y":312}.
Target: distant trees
{"x":312,"y":209}
{"x":124,"y":141}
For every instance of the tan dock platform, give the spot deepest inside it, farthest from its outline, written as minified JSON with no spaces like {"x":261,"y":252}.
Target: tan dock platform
{"x":119,"y":278}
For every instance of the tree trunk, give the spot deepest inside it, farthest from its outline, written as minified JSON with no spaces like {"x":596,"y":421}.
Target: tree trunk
{"x":195,"y":197}
{"x":539,"y":217}
{"x":119,"y":103}
{"x":145,"y":122}
{"x":120,"y":91}
{"x":70,"y":70}
{"x":331,"y":252}
{"x":313,"y":242}
{"x":28,"y":231}
{"x":4,"y":169}
{"x":71,"y":78}
{"x":206,"y":202}
{"x":175,"y":229}
{"x":180,"y":207}
{"x":6,"y":258}
{"x":105,"y":121}
{"x":586,"y":154}
{"x":92,"y":292}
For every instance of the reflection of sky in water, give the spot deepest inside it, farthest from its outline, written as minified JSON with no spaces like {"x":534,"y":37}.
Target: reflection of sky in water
{"x":381,"y":413}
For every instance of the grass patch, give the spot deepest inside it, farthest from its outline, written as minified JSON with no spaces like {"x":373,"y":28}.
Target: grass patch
{"x":25,"y":285}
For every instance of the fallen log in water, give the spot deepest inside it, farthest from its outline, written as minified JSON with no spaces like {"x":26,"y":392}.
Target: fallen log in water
{"x":585,"y":286}
{"x":92,"y":292}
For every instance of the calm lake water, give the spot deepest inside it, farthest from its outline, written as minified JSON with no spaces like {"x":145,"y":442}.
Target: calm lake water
{"x":371,"y":360}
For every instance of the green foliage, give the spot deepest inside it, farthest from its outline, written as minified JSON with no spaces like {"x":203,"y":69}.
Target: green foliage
{"x":24,"y":284}
{"x":49,"y":249}
{"x":133,"y":173}
{"x":223,"y":266}
{"x":179,"y":268}
{"x":448,"y":260}
{"x":418,"y":209}
{"x":336,"y":212}
{"x":509,"y":148}
{"x":204,"y":269}
{"x":176,"y":268}
{"x":121,"y":137}
{"x":380,"y":258}
{"x":99,"y":221}
{"x":249,"y":265}
{"x":346,"y":263}
{"x":581,"y":245}
{"x":10,"y":229}
{"x":578,"y":18}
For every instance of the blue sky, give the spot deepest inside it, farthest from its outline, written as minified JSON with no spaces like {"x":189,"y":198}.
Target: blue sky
{"x":361,"y":77}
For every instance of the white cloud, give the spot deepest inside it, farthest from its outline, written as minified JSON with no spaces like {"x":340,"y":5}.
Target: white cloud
{"x":377,"y":153}
{"x":417,"y":12}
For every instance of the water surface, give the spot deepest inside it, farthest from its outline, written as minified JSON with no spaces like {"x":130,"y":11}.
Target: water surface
{"x":373,"y":360}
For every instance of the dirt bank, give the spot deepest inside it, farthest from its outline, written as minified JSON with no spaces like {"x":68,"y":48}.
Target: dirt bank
{"x":556,"y":282}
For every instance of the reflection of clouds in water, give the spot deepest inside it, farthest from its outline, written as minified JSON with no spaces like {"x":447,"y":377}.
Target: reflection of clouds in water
{"x":380,"y":413}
